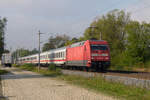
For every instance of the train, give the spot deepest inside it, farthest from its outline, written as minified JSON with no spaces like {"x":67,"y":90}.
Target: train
{"x":6,"y":59}
{"x":89,"y":54}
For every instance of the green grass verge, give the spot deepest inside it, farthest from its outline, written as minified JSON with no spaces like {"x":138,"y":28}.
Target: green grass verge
{"x":51,"y":72}
{"x":98,"y":84}
{"x":117,"y":90}
{"x":3,"y":72}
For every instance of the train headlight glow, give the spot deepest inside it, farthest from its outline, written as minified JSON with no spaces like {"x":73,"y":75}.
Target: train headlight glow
{"x":105,"y":54}
{"x":95,"y":54}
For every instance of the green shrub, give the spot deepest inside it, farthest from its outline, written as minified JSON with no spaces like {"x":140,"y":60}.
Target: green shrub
{"x":52,"y":67}
{"x":15,"y":65}
{"x":28,"y":67}
{"x":147,"y":63}
{"x":58,"y":70}
{"x":3,"y":72}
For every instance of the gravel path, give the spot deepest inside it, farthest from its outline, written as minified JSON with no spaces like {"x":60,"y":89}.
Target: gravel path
{"x":25,"y":85}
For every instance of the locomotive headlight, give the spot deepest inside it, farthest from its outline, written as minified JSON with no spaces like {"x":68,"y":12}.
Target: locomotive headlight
{"x":104,"y":54}
{"x":95,"y":54}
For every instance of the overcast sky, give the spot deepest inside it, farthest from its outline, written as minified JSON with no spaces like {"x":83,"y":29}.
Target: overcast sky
{"x":71,"y":17}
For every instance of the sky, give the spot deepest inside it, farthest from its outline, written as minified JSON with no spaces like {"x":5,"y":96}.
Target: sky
{"x":71,"y":17}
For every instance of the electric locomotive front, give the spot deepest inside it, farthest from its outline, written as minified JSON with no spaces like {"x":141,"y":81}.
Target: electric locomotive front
{"x":100,"y":54}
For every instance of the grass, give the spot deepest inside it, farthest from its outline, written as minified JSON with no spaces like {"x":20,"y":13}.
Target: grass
{"x":114,"y":89}
{"x":51,"y":72}
{"x":3,"y":72}
{"x":98,"y":84}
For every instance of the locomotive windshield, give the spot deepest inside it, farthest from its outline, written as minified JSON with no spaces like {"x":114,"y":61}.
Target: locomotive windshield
{"x":99,"y":47}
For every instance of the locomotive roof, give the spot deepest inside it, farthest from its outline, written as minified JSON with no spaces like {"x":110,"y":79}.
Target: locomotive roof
{"x":82,"y":43}
{"x":77,"y":44}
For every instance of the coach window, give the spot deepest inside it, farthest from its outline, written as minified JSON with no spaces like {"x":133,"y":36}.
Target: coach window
{"x":54,"y":55}
{"x":59,"y":54}
{"x":62,"y":54}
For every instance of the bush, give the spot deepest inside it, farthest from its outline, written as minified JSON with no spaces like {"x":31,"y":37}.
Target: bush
{"x":28,"y":67}
{"x":3,"y":72}
{"x":15,"y":65}
{"x":52,"y":67}
{"x":58,"y":70}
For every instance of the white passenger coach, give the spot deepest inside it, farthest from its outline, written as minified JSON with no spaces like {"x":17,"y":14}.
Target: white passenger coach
{"x":56,"y":56}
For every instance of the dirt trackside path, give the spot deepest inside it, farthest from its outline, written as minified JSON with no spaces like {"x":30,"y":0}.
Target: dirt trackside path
{"x":25,"y":85}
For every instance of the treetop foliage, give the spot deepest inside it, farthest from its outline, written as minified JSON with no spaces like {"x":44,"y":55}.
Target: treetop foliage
{"x":129,"y":40}
{"x":3,"y":22}
{"x":55,"y":42}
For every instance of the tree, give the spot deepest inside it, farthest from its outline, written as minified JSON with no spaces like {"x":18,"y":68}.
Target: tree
{"x":23,"y":52}
{"x":55,"y":42}
{"x":20,"y":53}
{"x":6,"y":51}
{"x":112,"y":27}
{"x":73,"y":40}
{"x":3,"y":22}
{"x":138,"y":42}
{"x":34,"y":51}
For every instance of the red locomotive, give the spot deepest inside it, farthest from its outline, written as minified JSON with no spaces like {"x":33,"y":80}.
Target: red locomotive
{"x":93,"y":54}
{"x":90,"y":54}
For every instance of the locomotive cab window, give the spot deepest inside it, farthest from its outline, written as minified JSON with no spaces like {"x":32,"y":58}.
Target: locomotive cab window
{"x":99,"y":47}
